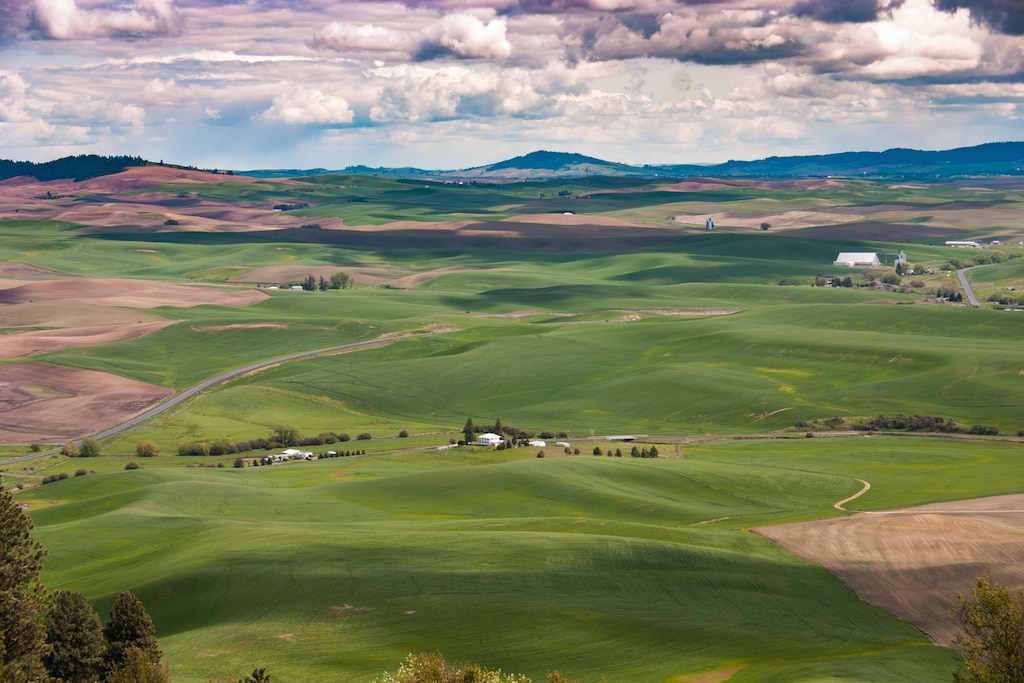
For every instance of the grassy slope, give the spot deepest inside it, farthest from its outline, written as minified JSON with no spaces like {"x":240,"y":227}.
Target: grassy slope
{"x":334,"y":570}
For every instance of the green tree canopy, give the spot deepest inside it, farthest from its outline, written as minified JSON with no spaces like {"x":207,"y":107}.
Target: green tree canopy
{"x":286,"y":435}
{"x":75,"y":637}
{"x":991,"y":638}
{"x":22,"y":636}
{"x":90,"y":448}
{"x":130,"y":627}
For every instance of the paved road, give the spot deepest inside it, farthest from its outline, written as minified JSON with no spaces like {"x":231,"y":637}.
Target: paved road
{"x":962,"y":274}
{"x":192,"y":391}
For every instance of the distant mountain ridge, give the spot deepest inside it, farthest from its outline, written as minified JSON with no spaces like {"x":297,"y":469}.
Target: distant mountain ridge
{"x":989,"y":159}
{"x":995,"y":158}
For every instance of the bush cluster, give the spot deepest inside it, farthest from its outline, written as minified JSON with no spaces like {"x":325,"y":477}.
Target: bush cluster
{"x":50,"y":478}
{"x":903,"y":423}
{"x":916,"y":423}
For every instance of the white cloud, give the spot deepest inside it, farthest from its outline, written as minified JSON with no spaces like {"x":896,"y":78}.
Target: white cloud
{"x":466,"y":36}
{"x":343,"y":36}
{"x":309,"y":106}
{"x":12,"y":96}
{"x":463,"y":35}
{"x":65,"y":20}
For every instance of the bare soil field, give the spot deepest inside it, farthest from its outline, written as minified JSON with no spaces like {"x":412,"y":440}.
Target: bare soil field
{"x":124,"y":292}
{"x":51,"y":404}
{"x":45,"y":341}
{"x":913,"y":562}
{"x":109,"y":207}
{"x":43,"y":311}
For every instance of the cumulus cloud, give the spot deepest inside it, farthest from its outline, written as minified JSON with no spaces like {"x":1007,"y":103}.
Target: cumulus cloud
{"x":463,"y":36}
{"x":12,"y":96}
{"x":65,"y":20}
{"x":309,"y":106}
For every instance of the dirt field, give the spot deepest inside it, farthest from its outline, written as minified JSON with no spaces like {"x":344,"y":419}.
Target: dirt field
{"x":914,"y":562}
{"x":42,"y":311}
{"x":50,"y":404}
{"x":113,"y":209}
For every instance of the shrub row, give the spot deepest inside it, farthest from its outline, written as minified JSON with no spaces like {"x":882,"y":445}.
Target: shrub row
{"x":904,"y":423}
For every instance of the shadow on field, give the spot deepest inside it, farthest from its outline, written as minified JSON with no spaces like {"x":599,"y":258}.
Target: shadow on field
{"x":476,"y":236}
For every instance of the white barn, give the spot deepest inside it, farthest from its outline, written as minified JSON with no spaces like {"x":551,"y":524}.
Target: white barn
{"x":490,"y":439}
{"x":852,"y":259}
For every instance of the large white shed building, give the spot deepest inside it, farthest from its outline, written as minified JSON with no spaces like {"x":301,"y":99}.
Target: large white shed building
{"x":853,"y":259}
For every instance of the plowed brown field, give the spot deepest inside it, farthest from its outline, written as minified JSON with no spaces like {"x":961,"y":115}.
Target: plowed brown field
{"x":913,"y":562}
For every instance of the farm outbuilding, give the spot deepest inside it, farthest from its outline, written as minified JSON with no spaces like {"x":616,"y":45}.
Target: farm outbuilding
{"x":853,"y":259}
{"x":490,"y":439}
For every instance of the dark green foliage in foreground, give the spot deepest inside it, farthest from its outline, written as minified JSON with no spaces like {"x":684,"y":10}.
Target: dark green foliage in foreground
{"x":22,"y":638}
{"x":130,"y":627}
{"x":992,"y":634}
{"x":75,"y":636}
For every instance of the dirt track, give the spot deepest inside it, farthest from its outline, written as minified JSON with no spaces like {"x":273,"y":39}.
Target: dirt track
{"x":913,"y":562}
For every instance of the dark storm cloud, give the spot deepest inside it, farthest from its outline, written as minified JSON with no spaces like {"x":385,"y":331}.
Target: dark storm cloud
{"x":690,"y":36}
{"x":15,"y":17}
{"x":842,"y":11}
{"x":1004,"y":16}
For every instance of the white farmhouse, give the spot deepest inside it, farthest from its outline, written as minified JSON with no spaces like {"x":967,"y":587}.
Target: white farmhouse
{"x":490,"y":439}
{"x":853,"y":259}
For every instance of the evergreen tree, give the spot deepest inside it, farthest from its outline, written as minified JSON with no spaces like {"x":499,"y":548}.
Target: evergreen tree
{"x":129,"y":627}
{"x":468,"y":430}
{"x":75,"y":636}
{"x":22,"y":636}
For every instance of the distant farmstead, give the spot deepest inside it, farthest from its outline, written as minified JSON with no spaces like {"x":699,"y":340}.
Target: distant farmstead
{"x":964,"y":244}
{"x":490,"y":439}
{"x":854,"y":259}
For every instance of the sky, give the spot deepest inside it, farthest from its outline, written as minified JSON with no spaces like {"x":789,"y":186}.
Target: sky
{"x":457,"y":83}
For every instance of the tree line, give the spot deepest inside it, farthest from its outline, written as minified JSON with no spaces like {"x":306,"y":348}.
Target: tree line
{"x":340,"y":280}
{"x":281,"y":436}
{"x":81,"y":167}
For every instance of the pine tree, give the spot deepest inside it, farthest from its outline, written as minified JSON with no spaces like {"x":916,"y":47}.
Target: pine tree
{"x":468,"y":430}
{"x":130,"y":627}
{"x":22,"y":636}
{"x":75,"y":636}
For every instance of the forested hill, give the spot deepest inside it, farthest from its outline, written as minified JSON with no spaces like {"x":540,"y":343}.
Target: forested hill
{"x":80,"y":167}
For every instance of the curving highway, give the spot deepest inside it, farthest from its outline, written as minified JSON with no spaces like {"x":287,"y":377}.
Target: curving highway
{"x":223,"y":377}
